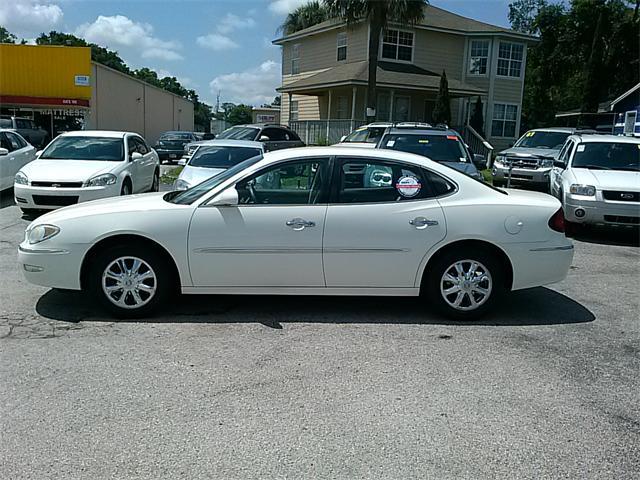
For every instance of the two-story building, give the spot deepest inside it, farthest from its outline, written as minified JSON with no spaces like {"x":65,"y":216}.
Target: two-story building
{"x":325,"y":73}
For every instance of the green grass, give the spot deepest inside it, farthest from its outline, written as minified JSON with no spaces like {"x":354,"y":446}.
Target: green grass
{"x":171,"y":176}
{"x":486,"y":174}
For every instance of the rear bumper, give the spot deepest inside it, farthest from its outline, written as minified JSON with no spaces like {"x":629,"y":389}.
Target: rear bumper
{"x":595,"y":212}
{"x":541,"y":263}
{"x":165,"y":154}
{"x":49,"y":198}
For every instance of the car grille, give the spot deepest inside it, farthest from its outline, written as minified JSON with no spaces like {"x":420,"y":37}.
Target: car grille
{"x":622,"y":219}
{"x":619,"y":196}
{"x":56,"y":201}
{"x":57,"y":184}
{"x":519,"y":162}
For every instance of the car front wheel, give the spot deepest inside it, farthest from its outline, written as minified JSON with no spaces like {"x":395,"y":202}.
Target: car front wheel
{"x":465,"y":285}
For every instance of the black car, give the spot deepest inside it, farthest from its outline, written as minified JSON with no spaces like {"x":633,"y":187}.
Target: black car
{"x":274,"y":137}
{"x":170,"y":145}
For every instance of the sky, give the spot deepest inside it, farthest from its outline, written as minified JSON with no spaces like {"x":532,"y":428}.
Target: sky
{"x":212,"y":46}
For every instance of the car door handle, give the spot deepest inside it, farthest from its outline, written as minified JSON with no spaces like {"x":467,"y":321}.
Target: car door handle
{"x":300,"y":223}
{"x":421,"y":222}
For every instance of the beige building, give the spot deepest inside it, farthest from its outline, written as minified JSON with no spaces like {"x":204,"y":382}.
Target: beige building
{"x":325,"y":72}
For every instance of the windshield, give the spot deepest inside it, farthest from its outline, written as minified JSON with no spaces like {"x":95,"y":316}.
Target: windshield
{"x":440,"y":148}
{"x":187,"y":197}
{"x":537,"y":139}
{"x":222,"y":157}
{"x":239,"y":133}
{"x":85,"y":148}
{"x":175,"y":136}
{"x":365,"y":135}
{"x":608,"y":156}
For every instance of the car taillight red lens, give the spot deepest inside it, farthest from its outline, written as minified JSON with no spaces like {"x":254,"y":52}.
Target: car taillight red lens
{"x":556,"y":222}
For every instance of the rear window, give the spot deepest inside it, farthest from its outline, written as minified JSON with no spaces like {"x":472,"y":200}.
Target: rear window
{"x":176,"y":136}
{"x":222,"y":157}
{"x":440,"y":148}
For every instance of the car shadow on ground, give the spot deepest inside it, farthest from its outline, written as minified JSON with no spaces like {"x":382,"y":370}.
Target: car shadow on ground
{"x":535,"y":306}
{"x":6,"y":198}
{"x":618,"y":236}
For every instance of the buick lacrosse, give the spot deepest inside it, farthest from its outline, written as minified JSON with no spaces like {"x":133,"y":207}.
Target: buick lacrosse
{"x":318,"y":221}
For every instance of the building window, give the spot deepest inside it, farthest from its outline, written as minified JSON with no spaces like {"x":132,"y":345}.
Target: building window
{"x":510,"y":59}
{"x":343,"y":107}
{"x":295,"y":59}
{"x":504,"y":120}
{"x":293,"y":111}
{"x":397,"y":45}
{"x":479,"y":57}
{"x":342,"y":46}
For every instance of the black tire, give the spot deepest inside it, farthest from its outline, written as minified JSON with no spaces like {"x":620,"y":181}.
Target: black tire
{"x":434,"y":279}
{"x":162,"y":281}
{"x":126,"y":188}
{"x":155,"y":184}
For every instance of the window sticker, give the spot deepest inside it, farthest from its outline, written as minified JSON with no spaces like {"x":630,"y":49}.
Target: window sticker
{"x":463,"y":160}
{"x":452,"y":137}
{"x":530,"y":134}
{"x":581,"y":148}
{"x":423,"y":140}
{"x":391,"y":143}
{"x":408,"y":186}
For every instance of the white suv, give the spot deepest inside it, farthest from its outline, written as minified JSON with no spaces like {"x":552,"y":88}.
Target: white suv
{"x":597,"y":179}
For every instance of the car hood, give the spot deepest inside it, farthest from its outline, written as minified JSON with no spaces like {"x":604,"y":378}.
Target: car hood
{"x":196,"y":175}
{"x":464,"y":167}
{"x":66,"y":170}
{"x":530,"y":152}
{"x":607,"y":179}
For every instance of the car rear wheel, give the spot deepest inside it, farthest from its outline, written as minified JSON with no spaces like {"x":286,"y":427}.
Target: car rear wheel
{"x":464,"y":285}
{"x":129,"y":281}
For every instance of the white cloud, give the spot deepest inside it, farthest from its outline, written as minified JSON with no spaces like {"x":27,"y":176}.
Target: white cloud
{"x":24,"y":17}
{"x":121,"y":31}
{"x":231,"y":22}
{"x":282,"y":7}
{"x":217,"y":42}
{"x":185,"y":81}
{"x":253,"y":87}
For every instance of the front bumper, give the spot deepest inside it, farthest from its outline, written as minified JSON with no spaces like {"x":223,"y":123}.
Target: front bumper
{"x":166,"y":154}
{"x":51,"y":266}
{"x":49,"y":198}
{"x":601,"y":212}
{"x":537,"y":176}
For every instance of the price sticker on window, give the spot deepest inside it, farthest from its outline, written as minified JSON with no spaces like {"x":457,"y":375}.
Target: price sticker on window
{"x":581,"y":148}
{"x":408,"y":186}
{"x":391,"y":143}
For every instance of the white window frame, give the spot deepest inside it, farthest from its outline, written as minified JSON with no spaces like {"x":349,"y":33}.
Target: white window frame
{"x":382,"y":43}
{"x":342,"y":42}
{"x":294,"y":110}
{"x":510,"y":60}
{"x":295,"y":59}
{"x":504,"y":119}
{"x":472,"y":57}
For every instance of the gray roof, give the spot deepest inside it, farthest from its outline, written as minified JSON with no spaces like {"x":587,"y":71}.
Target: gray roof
{"x":434,"y":17}
{"x":389,"y":74}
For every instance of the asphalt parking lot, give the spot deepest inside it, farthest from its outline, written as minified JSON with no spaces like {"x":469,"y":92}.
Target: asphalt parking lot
{"x":300,"y":387}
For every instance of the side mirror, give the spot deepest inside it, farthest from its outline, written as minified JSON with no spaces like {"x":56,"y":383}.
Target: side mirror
{"x":182,"y":162}
{"x":479,"y":161}
{"x":558,"y":164}
{"x":226,"y":198}
{"x":4,"y":151}
{"x":38,"y":153}
{"x":263,"y":138}
{"x":136,"y":156}
{"x":342,"y":138}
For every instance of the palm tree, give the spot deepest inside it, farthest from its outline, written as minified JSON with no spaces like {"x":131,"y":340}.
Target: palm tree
{"x":378,"y":13}
{"x":303,"y":17}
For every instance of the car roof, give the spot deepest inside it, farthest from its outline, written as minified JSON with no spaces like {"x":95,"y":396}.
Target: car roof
{"x":177,"y":131}
{"x":591,"y":138}
{"x":562,"y":130}
{"x":421,"y":131}
{"x":230,"y":143}
{"x":97,"y":133}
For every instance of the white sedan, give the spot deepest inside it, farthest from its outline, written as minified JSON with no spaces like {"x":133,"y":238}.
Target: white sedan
{"x":15,"y":153}
{"x":87,"y":165}
{"x":307,"y":221}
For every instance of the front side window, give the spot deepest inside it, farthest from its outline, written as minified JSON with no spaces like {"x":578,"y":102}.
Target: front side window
{"x":85,"y":148}
{"x":439,"y":148}
{"x":479,"y":57}
{"x":295,"y":59}
{"x":607,"y":156}
{"x":342,"y":46}
{"x":504,"y":120}
{"x":239,"y":133}
{"x":7,"y":140}
{"x":291,"y":183}
{"x":141,"y":145}
{"x":510,"y":57}
{"x":222,"y":157}
{"x":293,"y":110}
{"x":397,"y":45}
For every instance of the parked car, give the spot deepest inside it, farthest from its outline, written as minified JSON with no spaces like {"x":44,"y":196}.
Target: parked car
{"x":15,"y":153}
{"x":305,"y":221}
{"x":170,"y":145}
{"x":597,"y":179}
{"x":214,"y":157}
{"x":439,"y":144}
{"x":531,"y":158}
{"x":26,"y":127}
{"x":274,"y":137}
{"x":86,"y":165}
{"x":366,"y":136}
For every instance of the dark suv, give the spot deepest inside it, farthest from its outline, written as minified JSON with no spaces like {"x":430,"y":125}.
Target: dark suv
{"x":170,"y":145}
{"x":274,"y":137}
{"x":440,"y":144}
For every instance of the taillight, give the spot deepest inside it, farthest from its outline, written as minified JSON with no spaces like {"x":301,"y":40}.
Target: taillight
{"x":556,"y":222}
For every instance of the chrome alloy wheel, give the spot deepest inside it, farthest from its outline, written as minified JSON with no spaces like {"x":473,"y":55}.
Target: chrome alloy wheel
{"x":129,"y":282}
{"x":466,"y":285}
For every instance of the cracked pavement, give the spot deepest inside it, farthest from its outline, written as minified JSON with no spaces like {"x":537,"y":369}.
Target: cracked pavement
{"x":301,"y":387}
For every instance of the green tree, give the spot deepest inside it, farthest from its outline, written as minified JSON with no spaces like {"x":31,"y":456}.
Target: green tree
{"x":6,"y":36}
{"x":522,"y":14}
{"x":304,"y":16}
{"x":377,"y":14}
{"x":147,"y":75}
{"x":442,"y":108}
{"x":239,"y":114}
{"x":591,"y":92}
{"x":477,"y":117}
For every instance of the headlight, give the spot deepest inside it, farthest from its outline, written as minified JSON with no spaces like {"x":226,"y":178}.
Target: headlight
{"x":21,"y":179}
{"x":181,"y":185}
{"x":585,"y":190}
{"x":40,"y":233}
{"x":546,"y":163}
{"x":500,"y":159}
{"x":101,"y":180}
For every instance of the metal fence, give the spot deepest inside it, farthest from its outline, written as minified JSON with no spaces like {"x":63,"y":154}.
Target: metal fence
{"x":323,"y":132}
{"x":477,"y":144}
